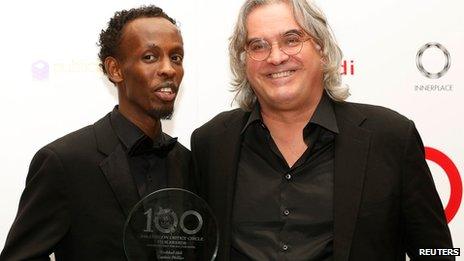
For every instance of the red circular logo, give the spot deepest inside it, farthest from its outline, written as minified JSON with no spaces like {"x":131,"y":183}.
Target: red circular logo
{"x":453,"y":176}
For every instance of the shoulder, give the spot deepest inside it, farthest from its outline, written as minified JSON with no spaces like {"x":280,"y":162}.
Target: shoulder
{"x":378,"y":118}
{"x":79,"y":142}
{"x":73,"y":141}
{"x":380,"y":112}
{"x":55,"y":158}
{"x":221,"y":120}
{"x":388,"y":128}
{"x":179,"y":151}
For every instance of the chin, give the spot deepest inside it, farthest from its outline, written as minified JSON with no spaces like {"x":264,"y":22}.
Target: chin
{"x":285,"y":97}
{"x":163,"y":113}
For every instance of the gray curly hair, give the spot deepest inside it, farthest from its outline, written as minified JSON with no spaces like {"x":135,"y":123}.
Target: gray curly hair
{"x":313,"y":22}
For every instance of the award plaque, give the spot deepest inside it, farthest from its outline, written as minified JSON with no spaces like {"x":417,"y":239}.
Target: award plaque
{"x":171,"y":224}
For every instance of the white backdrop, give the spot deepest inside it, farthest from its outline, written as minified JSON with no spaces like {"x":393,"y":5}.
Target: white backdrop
{"x":51,"y":83}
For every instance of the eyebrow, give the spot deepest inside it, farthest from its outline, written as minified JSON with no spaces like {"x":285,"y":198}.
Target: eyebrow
{"x":291,"y":31}
{"x":294,"y":31}
{"x":179,"y":48}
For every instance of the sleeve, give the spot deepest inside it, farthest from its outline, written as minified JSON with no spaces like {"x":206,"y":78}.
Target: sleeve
{"x":423,"y":216}
{"x":43,"y":217}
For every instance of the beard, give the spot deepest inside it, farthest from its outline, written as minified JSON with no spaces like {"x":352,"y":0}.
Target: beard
{"x":162,"y":113}
{"x":165,"y":110}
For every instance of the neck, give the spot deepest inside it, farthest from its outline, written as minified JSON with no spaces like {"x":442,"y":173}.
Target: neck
{"x":150,"y":126}
{"x":286,"y":128}
{"x":290,"y":119}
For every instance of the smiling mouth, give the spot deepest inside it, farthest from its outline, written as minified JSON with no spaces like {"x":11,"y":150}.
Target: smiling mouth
{"x":167,"y":90}
{"x":280,"y":74}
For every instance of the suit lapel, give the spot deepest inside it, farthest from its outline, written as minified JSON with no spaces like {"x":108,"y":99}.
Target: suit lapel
{"x":115,"y":167}
{"x":229,"y":152}
{"x":351,"y":151}
{"x":176,"y":171}
{"x":117,"y":173}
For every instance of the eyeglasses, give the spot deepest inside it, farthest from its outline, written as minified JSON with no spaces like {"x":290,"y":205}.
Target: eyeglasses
{"x":260,"y":49}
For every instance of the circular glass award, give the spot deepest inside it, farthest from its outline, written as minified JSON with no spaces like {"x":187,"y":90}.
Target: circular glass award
{"x":171,"y":224}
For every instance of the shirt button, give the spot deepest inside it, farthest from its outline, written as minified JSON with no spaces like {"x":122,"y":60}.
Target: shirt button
{"x":286,"y":212}
{"x":284,"y":247}
{"x":288,"y":177}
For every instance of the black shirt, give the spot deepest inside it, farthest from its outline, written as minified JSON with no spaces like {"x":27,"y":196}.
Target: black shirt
{"x":282,"y":212}
{"x":146,"y":157}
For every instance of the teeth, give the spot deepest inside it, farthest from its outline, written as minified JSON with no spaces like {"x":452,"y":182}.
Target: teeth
{"x":166,"y":89}
{"x":281,"y":74}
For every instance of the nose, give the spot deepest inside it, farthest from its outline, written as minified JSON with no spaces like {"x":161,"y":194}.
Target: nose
{"x":276,"y":56}
{"x":166,"y":69}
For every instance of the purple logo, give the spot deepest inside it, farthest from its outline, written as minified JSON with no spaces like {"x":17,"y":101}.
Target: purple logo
{"x":39,"y":70}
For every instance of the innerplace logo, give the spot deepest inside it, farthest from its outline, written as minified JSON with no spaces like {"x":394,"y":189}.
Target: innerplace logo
{"x":420,"y":65}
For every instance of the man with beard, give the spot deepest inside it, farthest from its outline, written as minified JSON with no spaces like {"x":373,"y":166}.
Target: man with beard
{"x":81,"y":187}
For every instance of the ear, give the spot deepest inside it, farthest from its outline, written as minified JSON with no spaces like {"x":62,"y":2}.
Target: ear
{"x":113,"y":69}
{"x":316,"y":46}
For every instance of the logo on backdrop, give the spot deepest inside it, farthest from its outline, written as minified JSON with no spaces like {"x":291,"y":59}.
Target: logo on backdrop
{"x":347,"y":68}
{"x":420,"y":65}
{"x":424,"y":65}
{"x":454,"y":178}
{"x":40,"y":70}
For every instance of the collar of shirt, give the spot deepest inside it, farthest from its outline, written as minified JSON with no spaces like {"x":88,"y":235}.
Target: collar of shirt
{"x":323,"y":116}
{"x":135,"y":141}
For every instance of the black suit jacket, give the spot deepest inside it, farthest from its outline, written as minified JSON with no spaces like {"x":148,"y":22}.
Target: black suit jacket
{"x":385,"y":201}
{"x":78,"y":194}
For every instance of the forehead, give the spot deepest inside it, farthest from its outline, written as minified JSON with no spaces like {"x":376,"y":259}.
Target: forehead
{"x":150,"y":29}
{"x":270,"y":20}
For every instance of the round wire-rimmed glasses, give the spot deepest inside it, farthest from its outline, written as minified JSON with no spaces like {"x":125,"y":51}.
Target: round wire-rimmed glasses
{"x":260,"y":49}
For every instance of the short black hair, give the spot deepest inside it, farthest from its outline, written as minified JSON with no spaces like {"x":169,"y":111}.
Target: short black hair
{"x":111,"y":37}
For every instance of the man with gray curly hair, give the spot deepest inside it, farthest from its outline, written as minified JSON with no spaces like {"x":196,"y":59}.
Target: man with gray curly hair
{"x":297,"y":173}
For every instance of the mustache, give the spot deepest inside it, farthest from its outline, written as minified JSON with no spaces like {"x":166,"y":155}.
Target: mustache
{"x":168,"y":84}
